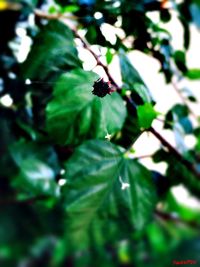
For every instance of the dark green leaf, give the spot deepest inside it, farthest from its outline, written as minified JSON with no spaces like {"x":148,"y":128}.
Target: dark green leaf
{"x":98,"y":169}
{"x":177,"y":173}
{"x":180,"y":60}
{"x":186,"y":34}
{"x":130,"y":131}
{"x":53,"y":51}
{"x":132,"y":78}
{"x":177,"y":117}
{"x":37,"y":169}
{"x":75,"y":113}
{"x":165,"y":15}
{"x":190,"y":249}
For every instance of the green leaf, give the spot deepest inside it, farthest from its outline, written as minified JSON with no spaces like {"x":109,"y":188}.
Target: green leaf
{"x":130,"y":131}
{"x":156,"y":237}
{"x":53,"y":51}
{"x":70,"y":8}
{"x":180,"y":60}
{"x":146,"y":114}
{"x":193,"y":74}
{"x":37,"y":169}
{"x":132,"y":78}
{"x":190,"y":249}
{"x":195,"y":12}
{"x":177,"y":173}
{"x":109,"y":56}
{"x":75,"y":114}
{"x":98,"y":170}
{"x":178,"y":117}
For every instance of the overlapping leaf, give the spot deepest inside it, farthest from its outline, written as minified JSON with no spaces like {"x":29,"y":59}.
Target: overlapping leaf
{"x":53,"y":50}
{"x":146,"y":114}
{"x":132,"y":79}
{"x":75,"y":114}
{"x":37,"y":169}
{"x":95,"y":172}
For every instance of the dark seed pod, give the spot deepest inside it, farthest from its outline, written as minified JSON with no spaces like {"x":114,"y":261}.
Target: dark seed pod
{"x":101,"y":88}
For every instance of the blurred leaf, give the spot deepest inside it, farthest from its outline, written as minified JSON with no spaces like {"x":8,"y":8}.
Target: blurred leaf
{"x":186,"y":125}
{"x":37,"y":169}
{"x":109,"y":56}
{"x":184,"y":19}
{"x":190,"y":250}
{"x":193,"y":74}
{"x":180,"y":60}
{"x":53,"y":51}
{"x":165,"y":15}
{"x":195,"y":12}
{"x":93,"y":174}
{"x":156,"y":238}
{"x":178,"y":117}
{"x":129,"y":74}
{"x":130,"y":131}
{"x":177,"y":173}
{"x":132,"y":78}
{"x":70,"y":8}
{"x":146,"y":114}
{"x":75,"y":114}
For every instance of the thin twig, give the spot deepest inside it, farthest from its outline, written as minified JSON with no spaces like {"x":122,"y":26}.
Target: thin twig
{"x":183,"y":99}
{"x":173,"y":218}
{"x":144,"y":156}
{"x":56,"y":16}
{"x":99,"y":63}
{"x":171,"y":149}
{"x":32,"y":200}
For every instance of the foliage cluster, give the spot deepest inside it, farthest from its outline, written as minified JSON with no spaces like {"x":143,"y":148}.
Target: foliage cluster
{"x":68,"y":197}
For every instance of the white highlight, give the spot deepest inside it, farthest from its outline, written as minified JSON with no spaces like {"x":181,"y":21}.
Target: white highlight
{"x":6,"y":100}
{"x":62,"y":172}
{"x":27,"y":81}
{"x":109,"y":32}
{"x":21,"y":32}
{"x":108,"y":136}
{"x":183,"y":196}
{"x":123,"y":185}
{"x":62,"y":182}
{"x":98,"y":15}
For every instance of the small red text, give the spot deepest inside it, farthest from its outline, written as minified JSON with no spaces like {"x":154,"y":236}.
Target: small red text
{"x":184,"y":262}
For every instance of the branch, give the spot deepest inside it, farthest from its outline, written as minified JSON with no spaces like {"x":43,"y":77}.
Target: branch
{"x":173,"y":218}
{"x":56,"y":16}
{"x":11,"y":201}
{"x":171,"y":149}
{"x":161,"y":214}
{"x":184,"y":100}
{"x":99,"y":63}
